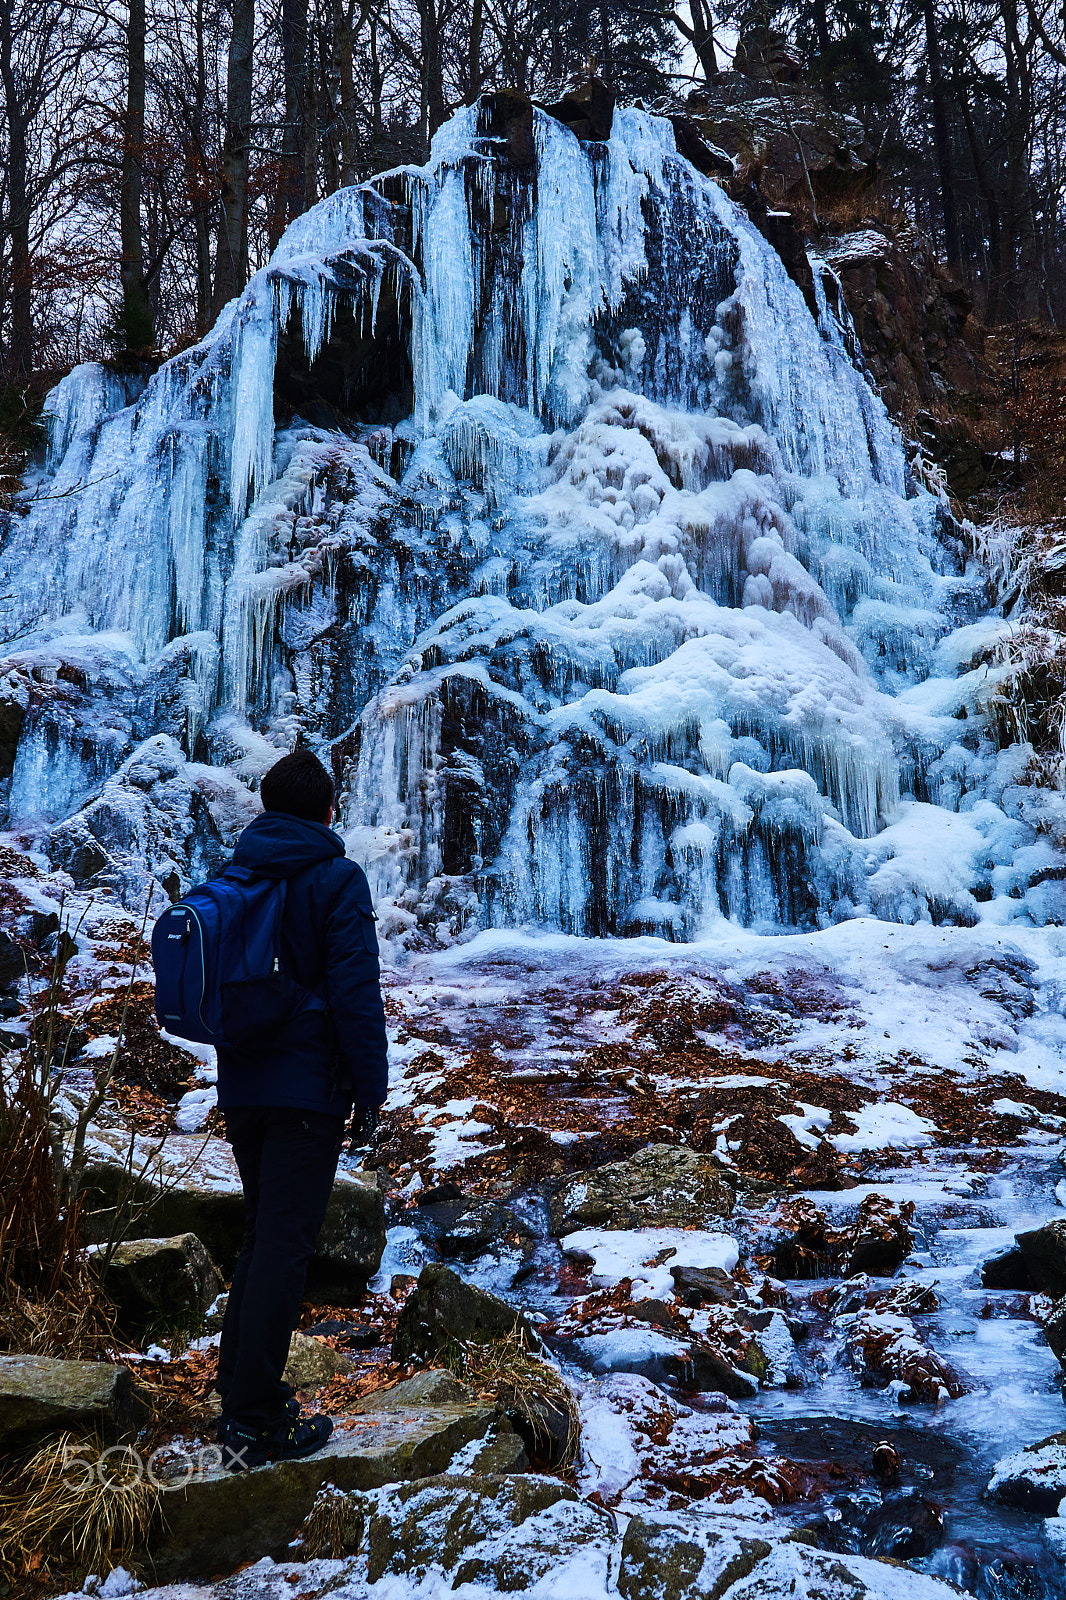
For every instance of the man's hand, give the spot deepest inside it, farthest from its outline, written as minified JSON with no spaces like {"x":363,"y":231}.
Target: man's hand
{"x":363,"y":1126}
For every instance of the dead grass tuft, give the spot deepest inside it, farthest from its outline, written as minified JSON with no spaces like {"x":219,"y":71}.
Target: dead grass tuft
{"x":77,"y":1501}
{"x":524,"y":1383}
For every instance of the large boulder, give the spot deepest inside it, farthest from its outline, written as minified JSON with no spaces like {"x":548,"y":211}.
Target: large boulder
{"x":503,"y":1532}
{"x":661,"y":1186}
{"x":667,"y":1561}
{"x":213,"y":1520}
{"x":39,"y":1395}
{"x":1033,"y":1478}
{"x":444,"y":1308}
{"x":191,"y":1184}
{"x":1044,"y":1252}
{"x":159,"y":1284}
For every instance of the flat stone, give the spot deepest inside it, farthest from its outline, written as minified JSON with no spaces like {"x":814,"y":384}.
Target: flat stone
{"x":661,"y":1186}
{"x":1044,"y":1250}
{"x":193,"y":1186}
{"x":444,"y":1307}
{"x":1034,"y":1478}
{"x":433,"y":1387}
{"x":156,"y":1284}
{"x":38,"y":1395}
{"x":220,"y":1520}
{"x":311,"y":1363}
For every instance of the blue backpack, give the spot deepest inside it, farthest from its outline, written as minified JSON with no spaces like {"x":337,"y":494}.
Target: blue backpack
{"x":217,"y":958}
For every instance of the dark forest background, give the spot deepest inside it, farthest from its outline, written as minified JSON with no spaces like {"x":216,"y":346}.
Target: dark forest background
{"x":152,"y":153}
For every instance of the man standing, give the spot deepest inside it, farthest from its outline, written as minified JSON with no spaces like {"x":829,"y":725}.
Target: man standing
{"x":285,"y":1104}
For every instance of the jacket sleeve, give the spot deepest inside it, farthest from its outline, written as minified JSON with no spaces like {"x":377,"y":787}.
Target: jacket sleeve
{"x":353,"y":975}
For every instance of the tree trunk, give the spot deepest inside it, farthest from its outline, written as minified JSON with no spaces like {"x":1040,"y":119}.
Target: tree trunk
{"x":138,"y":323}
{"x":231,"y":249}
{"x":19,"y":363}
{"x":435,"y":107}
{"x":606,"y":64}
{"x":941,"y":139}
{"x":473,"y":63}
{"x":294,"y":60}
{"x":703,"y":39}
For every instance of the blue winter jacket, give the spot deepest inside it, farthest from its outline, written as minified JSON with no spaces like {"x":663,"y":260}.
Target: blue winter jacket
{"x":329,"y":944}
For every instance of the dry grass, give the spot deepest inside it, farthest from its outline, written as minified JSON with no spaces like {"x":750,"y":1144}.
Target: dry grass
{"x":77,"y":1502}
{"x":523,"y":1382}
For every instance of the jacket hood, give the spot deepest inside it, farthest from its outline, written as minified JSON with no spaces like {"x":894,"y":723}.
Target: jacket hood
{"x":279,"y":845}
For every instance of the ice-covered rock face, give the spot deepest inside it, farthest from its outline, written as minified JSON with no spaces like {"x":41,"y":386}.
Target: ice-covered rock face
{"x":610,"y":598}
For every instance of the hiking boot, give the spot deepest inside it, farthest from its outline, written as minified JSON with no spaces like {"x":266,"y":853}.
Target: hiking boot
{"x":290,"y":1438}
{"x":292,"y":1409}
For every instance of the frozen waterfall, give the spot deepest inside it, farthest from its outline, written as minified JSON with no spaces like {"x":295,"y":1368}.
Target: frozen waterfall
{"x":526,"y":489}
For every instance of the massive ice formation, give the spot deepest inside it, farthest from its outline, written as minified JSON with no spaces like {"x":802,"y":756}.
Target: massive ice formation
{"x":526,"y":488}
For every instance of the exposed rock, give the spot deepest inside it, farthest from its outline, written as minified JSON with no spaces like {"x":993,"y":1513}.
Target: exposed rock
{"x":587,"y":109}
{"x":443,"y":1307}
{"x":703,"y":1286}
{"x":503,"y":1532}
{"x":38,"y":1395}
{"x":905,"y":1525}
{"x":912,"y":324}
{"x":439,"y":1193}
{"x":703,"y":1367}
{"x":543,"y":1423}
{"x":508,"y":119}
{"x":1033,"y":1478}
{"x":885,"y":1348}
{"x":433,"y":1387}
{"x":467,"y":1228}
{"x":192,"y":1186}
{"x":1044,"y":1250}
{"x":1009,"y":1270}
{"x":661,"y":1186}
{"x":14,"y":699}
{"x":311,"y":1363}
{"x":502,"y":1453}
{"x":876,"y":1238}
{"x":680,"y":1558}
{"x":220,"y":1520}
{"x":159,"y":1283}
{"x":1055,"y":1330}
{"x":669,"y":1560}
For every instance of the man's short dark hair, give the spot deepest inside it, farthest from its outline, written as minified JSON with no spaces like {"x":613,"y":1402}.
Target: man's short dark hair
{"x":299,"y":785}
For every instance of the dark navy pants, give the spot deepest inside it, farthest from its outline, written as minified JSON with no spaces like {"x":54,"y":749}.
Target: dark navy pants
{"x":287,"y":1161}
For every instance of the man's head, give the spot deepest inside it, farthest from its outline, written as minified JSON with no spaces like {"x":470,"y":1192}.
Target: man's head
{"x":299,"y":785}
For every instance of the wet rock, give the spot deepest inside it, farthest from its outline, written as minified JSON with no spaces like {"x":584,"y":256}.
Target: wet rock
{"x":661,"y":1186}
{"x":669,"y":1560}
{"x":886,"y":1349}
{"x":311,"y":1363}
{"x":39,"y":1395}
{"x":443,"y":1307}
{"x":704,"y":1368}
{"x":1044,"y":1251}
{"x":192,"y":1186}
{"x":876,"y":1239}
{"x":157,"y":1284}
{"x":220,"y":1520}
{"x":903,"y":1527}
{"x":1034,"y":1478}
{"x":439,"y":1193}
{"x":703,"y":1286}
{"x":1055,"y":1330}
{"x":502,"y":1532}
{"x":469,"y":1228}
{"x":14,"y":701}
{"x":12,"y":961}
{"x":1009,"y":1270}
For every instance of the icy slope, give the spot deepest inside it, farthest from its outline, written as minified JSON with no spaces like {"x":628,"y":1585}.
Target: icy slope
{"x":597,"y":571}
